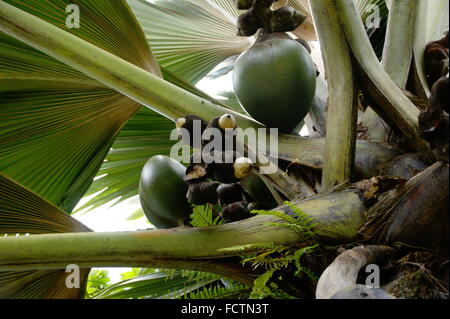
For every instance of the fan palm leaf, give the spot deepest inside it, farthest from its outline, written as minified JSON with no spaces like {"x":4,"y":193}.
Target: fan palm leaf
{"x":24,"y":212}
{"x":57,"y":124}
{"x":190,"y":37}
{"x":154,"y":285}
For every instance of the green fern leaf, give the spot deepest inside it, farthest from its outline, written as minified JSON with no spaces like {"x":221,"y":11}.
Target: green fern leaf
{"x":203,"y":216}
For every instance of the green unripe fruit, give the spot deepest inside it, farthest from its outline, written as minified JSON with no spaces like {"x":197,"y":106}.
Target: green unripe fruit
{"x":162,"y":192}
{"x":275,"y":82}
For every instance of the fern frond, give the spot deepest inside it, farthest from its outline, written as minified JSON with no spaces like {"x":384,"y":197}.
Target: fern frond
{"x":233,"y":291}
{"x":300,"y":222}
{"x":274,"y":257}
{"x":260,"y":288}
{"x":304,"y":270}
{"x":188,"y":289}
{"x":199,"y":276}
{"x":302,"y":231}
{"x":301,"y":217}
{"x":276,"y":213}
{"x":191,"y":275}
{"x":247,"y":248}
{"x":203,"y":216}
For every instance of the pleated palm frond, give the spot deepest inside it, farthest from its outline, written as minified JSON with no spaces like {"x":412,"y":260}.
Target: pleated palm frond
{"x":171,"y":284}
{"x":229,"y":6}
{"x":57,"y":125}
{"x":145,"y":135}
{"x":190,"y":37}
{"x":154,"y":285}
{"x":368,"y":9}
{"x":230,"y":99}
{"x":23,"y":212}
{"x":306,"y":30}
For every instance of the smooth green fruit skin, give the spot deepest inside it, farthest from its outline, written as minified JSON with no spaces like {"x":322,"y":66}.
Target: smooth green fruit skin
{"x":162,"y":192}
{"x":275,"y":83}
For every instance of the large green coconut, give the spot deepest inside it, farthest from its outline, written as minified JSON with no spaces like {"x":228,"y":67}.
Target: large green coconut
{"x":275,"y":81}
{"x":162,"y":192}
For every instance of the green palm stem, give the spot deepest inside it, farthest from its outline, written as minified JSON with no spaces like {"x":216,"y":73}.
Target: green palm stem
{"x":126,"y":78}
{"x":340,"y":140}
{"x":337,"y":218}
{"x":394,"y":107}
{"x":396,"y":61}
{"x":397,"y":51}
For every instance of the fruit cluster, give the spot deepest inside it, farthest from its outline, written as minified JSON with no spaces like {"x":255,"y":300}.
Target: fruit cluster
{"x":260,"y":16}
{"x":213,"y":177}
{"x":436,"y":59}
{"x":434,"y":120}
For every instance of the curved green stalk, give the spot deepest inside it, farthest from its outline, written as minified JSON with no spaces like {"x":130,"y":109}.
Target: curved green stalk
{"x":339,"y":153}
{"x":394,"y":107}
{"x":397,"y":57}
{"x":337,"y":218}
{"x":397,"y":52}
{"x":126,"y":78}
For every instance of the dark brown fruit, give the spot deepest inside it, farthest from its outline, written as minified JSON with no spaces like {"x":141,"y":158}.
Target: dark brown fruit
{"x":203,"y":193}
{"x":440,"y":94}
{"x":194,"y":126}
{"x":230,"y":167}
{"x":196,"y":173}
{"x":436,"y":55}
{"x":230,"y":193}
{"x":258,"y":192}
{"x":244,"y":4}
{"x":235,"y":211}
{"x":248,"y":23}
{"x":286,"y":19}
{"x":221,"y":128}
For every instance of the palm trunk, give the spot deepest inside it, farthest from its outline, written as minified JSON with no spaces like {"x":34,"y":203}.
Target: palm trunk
{"x":339,"y":153}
